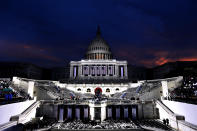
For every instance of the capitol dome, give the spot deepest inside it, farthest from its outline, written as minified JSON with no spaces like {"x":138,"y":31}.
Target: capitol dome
{"x":98,"y":48}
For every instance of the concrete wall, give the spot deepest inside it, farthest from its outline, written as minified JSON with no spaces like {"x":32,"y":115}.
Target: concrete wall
{"x":187,"y":110}
{"x":175,"y":120}
{"x":50,"y":110}
{"x":147,"y":110}
{"x":8,"y":110}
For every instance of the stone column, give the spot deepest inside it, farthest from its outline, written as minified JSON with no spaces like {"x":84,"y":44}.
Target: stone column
{"x":89,"y":68}
{"x":125,"y":71}
{"x":79,"y":71}
{"x":71,"y":71}
{"x":113,"y":70}
{"x":92,"y":113}
{"x":116,"y":71}
{"x":107,"y":71}
{"x":99,"y":69}
{"x":95,"y":70}
{"x":31,"y":88}
{"x":103,"y":112}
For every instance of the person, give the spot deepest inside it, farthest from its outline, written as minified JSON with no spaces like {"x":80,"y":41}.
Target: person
{"x":164,"y":121}
{"x":10,"y":96}
{"x":6,"y":97}
{"x":167,"y":122}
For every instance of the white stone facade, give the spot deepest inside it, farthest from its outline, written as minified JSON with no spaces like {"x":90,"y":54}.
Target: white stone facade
{"x":107,"y":89}
{"x":98,"y":69}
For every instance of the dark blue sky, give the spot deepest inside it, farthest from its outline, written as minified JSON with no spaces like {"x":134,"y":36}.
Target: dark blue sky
{"x":53,"y":32}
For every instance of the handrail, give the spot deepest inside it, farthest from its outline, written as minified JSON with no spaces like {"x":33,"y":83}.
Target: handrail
{"x":7,"y":125}
{"x":165,"y":107}
{"x":14,"y":120}
{"x":23,"y":115}
{"x":35,"y":104}
{"x":188,"y":124}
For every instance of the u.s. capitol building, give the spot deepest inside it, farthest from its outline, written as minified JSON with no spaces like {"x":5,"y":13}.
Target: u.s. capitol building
{"x":97,"y":96}
{"x":99,"y":63}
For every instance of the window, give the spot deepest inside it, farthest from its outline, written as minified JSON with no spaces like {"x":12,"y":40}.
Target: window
{"x":107,"y":90}
{"x":117,"y":89}
{"x":88,"y":90}
{"x":78,"y":89}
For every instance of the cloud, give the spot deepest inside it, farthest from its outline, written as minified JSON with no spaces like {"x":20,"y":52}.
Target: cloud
{"x":147,"y":33}
{"x":150,"y":57}
{"x":26,"y":52}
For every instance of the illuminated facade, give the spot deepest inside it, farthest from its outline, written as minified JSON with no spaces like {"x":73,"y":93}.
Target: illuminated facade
{"x":99,"y":63}
{"x":98,"y":91}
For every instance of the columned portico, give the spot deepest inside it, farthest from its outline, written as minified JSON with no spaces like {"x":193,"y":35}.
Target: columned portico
{"x":95,"y":69}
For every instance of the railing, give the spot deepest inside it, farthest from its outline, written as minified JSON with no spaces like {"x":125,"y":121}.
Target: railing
{"x":14,"y":120}
{"x":7,"y":125}
{"x":178,"y":119}
{"x":21,"y":117}
{"x":165,"y":108}
{"x":187,"y":124}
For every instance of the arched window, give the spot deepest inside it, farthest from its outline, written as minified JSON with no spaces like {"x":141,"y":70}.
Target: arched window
{"x":78,"y":89}
{"x":88,"y":90}
{"x":107,"y":90}
{"x":117,"y":89}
